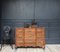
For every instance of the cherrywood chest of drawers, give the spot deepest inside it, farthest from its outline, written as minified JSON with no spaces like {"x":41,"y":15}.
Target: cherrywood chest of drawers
{"x":30,"y":37}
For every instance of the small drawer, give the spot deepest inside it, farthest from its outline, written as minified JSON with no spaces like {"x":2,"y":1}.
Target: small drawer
{"x":19,"y":44}
{"x":30,"y":44}
{"x":30,"y":40}
{"x":19,"y":36}
{"x":30,"y":36}
{"x":40,"y":39}
{"x":19,"y":39}
{"x":41,"y":43}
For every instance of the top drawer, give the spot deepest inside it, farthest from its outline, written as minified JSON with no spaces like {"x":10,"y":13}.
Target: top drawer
{"x":19,"y":30}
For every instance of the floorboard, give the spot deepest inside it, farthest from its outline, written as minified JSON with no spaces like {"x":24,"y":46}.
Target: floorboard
{"x":48,"y":48}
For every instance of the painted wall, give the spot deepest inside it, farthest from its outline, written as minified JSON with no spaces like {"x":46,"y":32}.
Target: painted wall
{"x":46,"y":12}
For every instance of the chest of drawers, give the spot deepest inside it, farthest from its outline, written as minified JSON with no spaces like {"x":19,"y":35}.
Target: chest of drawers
{"x":30,"y":37}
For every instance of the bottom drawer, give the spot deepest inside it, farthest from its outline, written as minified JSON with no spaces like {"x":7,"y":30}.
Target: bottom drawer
{"x":19,"y":44}
{"x":41,"y":43}
{"x":30,"y":44}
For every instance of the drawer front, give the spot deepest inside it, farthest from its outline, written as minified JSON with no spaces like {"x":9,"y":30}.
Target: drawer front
{"x":19,"y":39}
{"x":40,"y":43}
{"x":30,"y":44}
{"x":39,"y":40}
{"x":29,"y":36}
{"x":19,"y":36}
{"x":40,"y":33}
{"x":19,"y":31}
{"x":30,"y":40}
{"x":19,"y":44}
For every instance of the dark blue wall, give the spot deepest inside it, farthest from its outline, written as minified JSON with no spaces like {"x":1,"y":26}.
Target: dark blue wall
{"x":25,"y":9}
{"x":46,"y":12}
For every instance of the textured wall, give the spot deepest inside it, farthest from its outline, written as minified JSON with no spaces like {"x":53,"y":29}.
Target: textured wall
{"x":47,"y":9}
{"x":46,"y":13}
{"x":21,"y":9}
{"x":25,"y":9}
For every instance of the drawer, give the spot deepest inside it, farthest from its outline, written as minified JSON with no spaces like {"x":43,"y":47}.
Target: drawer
{"x":40,"y":39}
{"x":30,"y":40}
{"x":41,"y":43}
{"x":29,"y":33}
{"x":19,"y":44}
{"x":20,"y":36}
{"x":41,"y":36}
{"x":30,"y":44}
{"x":30,"y":36}
{"x":39,"y":30}
{"x":19,"y":32}
{"x":19,"y":39}
{"x":38,"y":44}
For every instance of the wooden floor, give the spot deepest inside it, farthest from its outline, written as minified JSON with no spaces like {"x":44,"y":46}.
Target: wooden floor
{"x":48,"y":48}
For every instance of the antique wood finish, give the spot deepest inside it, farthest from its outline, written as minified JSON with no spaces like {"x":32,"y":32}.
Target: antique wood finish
{"x":41,"y":37}
{"x":30,"y":37}
{"x":19,"y":37}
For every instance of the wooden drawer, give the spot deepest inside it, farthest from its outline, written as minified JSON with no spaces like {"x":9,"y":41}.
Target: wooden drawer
{"x":20,"y":36}
{"x":40,"y":39}
{"x":18,"y":39}
{"x":19,"y":33}
{"x":19,"y":44}
{"x":40,"y":43}
{"x":30,"y":36}
{"x":40,"y":34}
{"x":30,"y":40}
{"x":30,"y":44}
{"x":19,"y":30}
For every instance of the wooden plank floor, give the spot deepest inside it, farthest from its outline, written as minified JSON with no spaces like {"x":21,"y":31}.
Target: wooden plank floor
{"x":48,"y":48}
